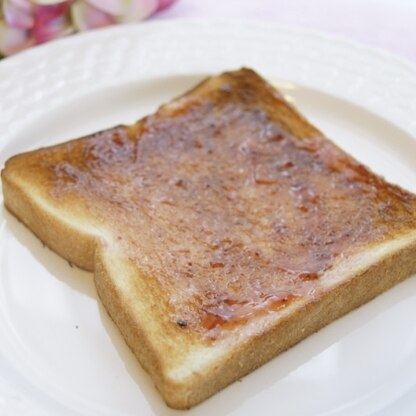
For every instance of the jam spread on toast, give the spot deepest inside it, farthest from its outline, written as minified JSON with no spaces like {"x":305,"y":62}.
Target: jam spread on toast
{"x":229,"y":200}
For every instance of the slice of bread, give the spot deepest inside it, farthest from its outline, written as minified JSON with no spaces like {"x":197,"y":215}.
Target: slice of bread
{"x":221,"y":230}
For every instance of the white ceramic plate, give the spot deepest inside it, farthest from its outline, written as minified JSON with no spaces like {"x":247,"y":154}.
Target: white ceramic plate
{"x":59,"y":352}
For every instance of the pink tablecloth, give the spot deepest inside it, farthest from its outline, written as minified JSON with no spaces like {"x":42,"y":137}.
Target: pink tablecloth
{"x":386,"y":24}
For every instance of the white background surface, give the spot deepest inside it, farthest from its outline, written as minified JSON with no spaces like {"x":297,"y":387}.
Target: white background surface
{"x":386,"y":24}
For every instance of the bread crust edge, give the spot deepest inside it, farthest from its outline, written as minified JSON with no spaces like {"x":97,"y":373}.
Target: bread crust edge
{"x":76,"y":246}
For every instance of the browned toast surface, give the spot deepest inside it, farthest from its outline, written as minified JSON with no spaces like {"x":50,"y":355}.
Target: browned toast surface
{"x":226,"y":203}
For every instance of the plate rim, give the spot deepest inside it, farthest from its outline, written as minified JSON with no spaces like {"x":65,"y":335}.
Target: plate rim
{"x":395,"y":69}
{"x":376,"y":50}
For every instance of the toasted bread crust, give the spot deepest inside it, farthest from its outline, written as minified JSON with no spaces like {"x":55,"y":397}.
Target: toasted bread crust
{"x":192,"y":359}
{"x":75,"y":245}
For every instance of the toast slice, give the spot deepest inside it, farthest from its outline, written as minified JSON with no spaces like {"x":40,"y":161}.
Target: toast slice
{"x":221,"y":230}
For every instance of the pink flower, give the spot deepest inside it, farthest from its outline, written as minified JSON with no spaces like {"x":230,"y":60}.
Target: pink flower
{"x":24,"y":23}
{"x":163,"y":4}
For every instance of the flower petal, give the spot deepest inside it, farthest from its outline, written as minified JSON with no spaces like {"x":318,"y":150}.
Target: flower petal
{"x":136,"y":10}
{"x":18,"y":14}
{"x":127,"y":10}
{"x":13,"y":40}
{"x":115,"y":7}
{"x":51,"y":21}
{"x":48,"y":2}
{"x":85,"y":16}
{"x":163,"y":4}
{"x":44,"y":31}
{"x":45,"y":13}
{"x":25,"y":5}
